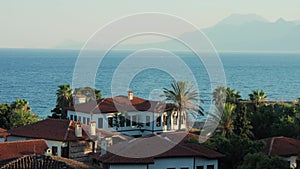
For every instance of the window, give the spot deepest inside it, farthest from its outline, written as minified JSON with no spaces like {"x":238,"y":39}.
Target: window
{"x":134,"y":120}
{"x":84,"y":120}
{"x":158,"y":121}
{"x":79,"y":118}
{"x":200,"y":167}
{"x":71,"y":117}
{"x":100,"y":123}
{"x":110,"y":122}
{"x":75,"y":118}
{"x":210,"y":166}
{"x":128,"y":121}
{"x":122,"y":121}
{"x":88,"y":121}
{"x":147,"y":120}
{"x":175,"y":118}
{"x":184,"y":168}
{"x":54,"y":150}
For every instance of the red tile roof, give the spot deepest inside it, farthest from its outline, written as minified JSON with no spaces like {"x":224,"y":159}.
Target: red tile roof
{"x":14,"y":149}
{"x":55,"y":129}
{"x":116,"y":104}
{"x":282,"y":146}
{"x":49,"y":129}
{"x":138,"y":151}
{"x":3,"y":132}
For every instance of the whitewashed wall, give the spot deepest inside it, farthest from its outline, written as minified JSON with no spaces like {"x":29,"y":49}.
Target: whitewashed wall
{"x":50,"y":143}
{"x":141,"y":166}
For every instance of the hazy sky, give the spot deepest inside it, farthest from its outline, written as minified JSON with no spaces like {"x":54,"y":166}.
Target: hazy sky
{"x":46,"y":24}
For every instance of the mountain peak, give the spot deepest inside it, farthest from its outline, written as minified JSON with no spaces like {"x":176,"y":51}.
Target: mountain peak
{"x":280,"y":20}
{"x":239,"y":19}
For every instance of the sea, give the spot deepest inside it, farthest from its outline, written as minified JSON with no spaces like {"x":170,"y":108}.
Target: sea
{"x":34,"y":74}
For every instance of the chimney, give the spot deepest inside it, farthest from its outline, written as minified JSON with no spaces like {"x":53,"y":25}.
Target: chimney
{"x":92,"y":128}
{"x":130,"y":95}
{"x":78,"y":130}
{"x":103,"y":147}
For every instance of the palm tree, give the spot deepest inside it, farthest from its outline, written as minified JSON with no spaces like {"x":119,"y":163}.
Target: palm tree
{"x":89,"y":92}
{"x":20,"y":104}
{"x":226,"y":121}
{"x":64,"y":99}
{"x":257,"y":97}
{"x":232,"y":96}
{"x":221,"y":93}
{"x":184,"y":97}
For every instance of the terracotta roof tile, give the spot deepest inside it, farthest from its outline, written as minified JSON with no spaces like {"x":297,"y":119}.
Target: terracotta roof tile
{"x":49,"y":129}
{"x":282,"y":146}
{"x":57,"y":129}
{"x":3,"y":132}
{"x":9,"y":150}
{"x":138,"y":150}
{"x":116,"y":104}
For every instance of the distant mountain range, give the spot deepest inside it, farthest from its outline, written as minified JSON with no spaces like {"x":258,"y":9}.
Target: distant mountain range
{"x":242,"y":32}
{"x":252,"y":32}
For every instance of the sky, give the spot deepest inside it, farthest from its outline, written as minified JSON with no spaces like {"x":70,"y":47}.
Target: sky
{"x":54,"y":23}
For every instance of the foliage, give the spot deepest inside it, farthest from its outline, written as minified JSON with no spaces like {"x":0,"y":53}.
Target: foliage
{"x":184,"y":96}
{"x":234,"y":148}
{"x":276,"y":120}
{"x":242,"y":124}
{"x":226,"y":123}
{"x":257,"y":97}
{"x":16,"y":114}
{"x":5,"y":114}
{"x":261,"y":161}
{"x":89,"y":92}
{"x":64,"y":98}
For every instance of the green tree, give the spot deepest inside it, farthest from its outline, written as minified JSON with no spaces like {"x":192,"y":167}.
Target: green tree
{"x":232,"y":96}
{"x":235,"y":148}
{"x":5,"y":114}
{"x":184,"y":96}
{"x":63,"y":99}
{"x":16,"y":114}
{"x":242,"y":125}
{"x":225,"y":94}
{"x":89,"y":92}
{"x":261,"y":161}
{"x":226,"y":126}
{"x":258,"y":98}
{"x":22,"y":117}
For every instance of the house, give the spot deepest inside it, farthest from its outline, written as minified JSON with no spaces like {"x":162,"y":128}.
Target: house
{"x":65,"y":138}
{"x":44,"y":161}
{"x":288,"y":148}
{"x":11,"y":150}
{"x":3,"y":134}
{"x":128,"y":115}
{"x":158,"y":152}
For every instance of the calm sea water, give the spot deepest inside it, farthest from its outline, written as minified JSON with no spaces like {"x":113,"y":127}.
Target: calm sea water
{"x":35,"y":74}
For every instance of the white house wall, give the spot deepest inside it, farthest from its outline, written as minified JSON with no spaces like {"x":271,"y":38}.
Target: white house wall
{"x":293,"y":161}
{"x":58,"y":144}
{"x":129,"y":130}
{"x":1,"y":139}
{"x":178,"y":163}
{"x":15,"y":138}
{"x":50,"y":143}
{"x":206,"y":162}
{"x":134,"y":166}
